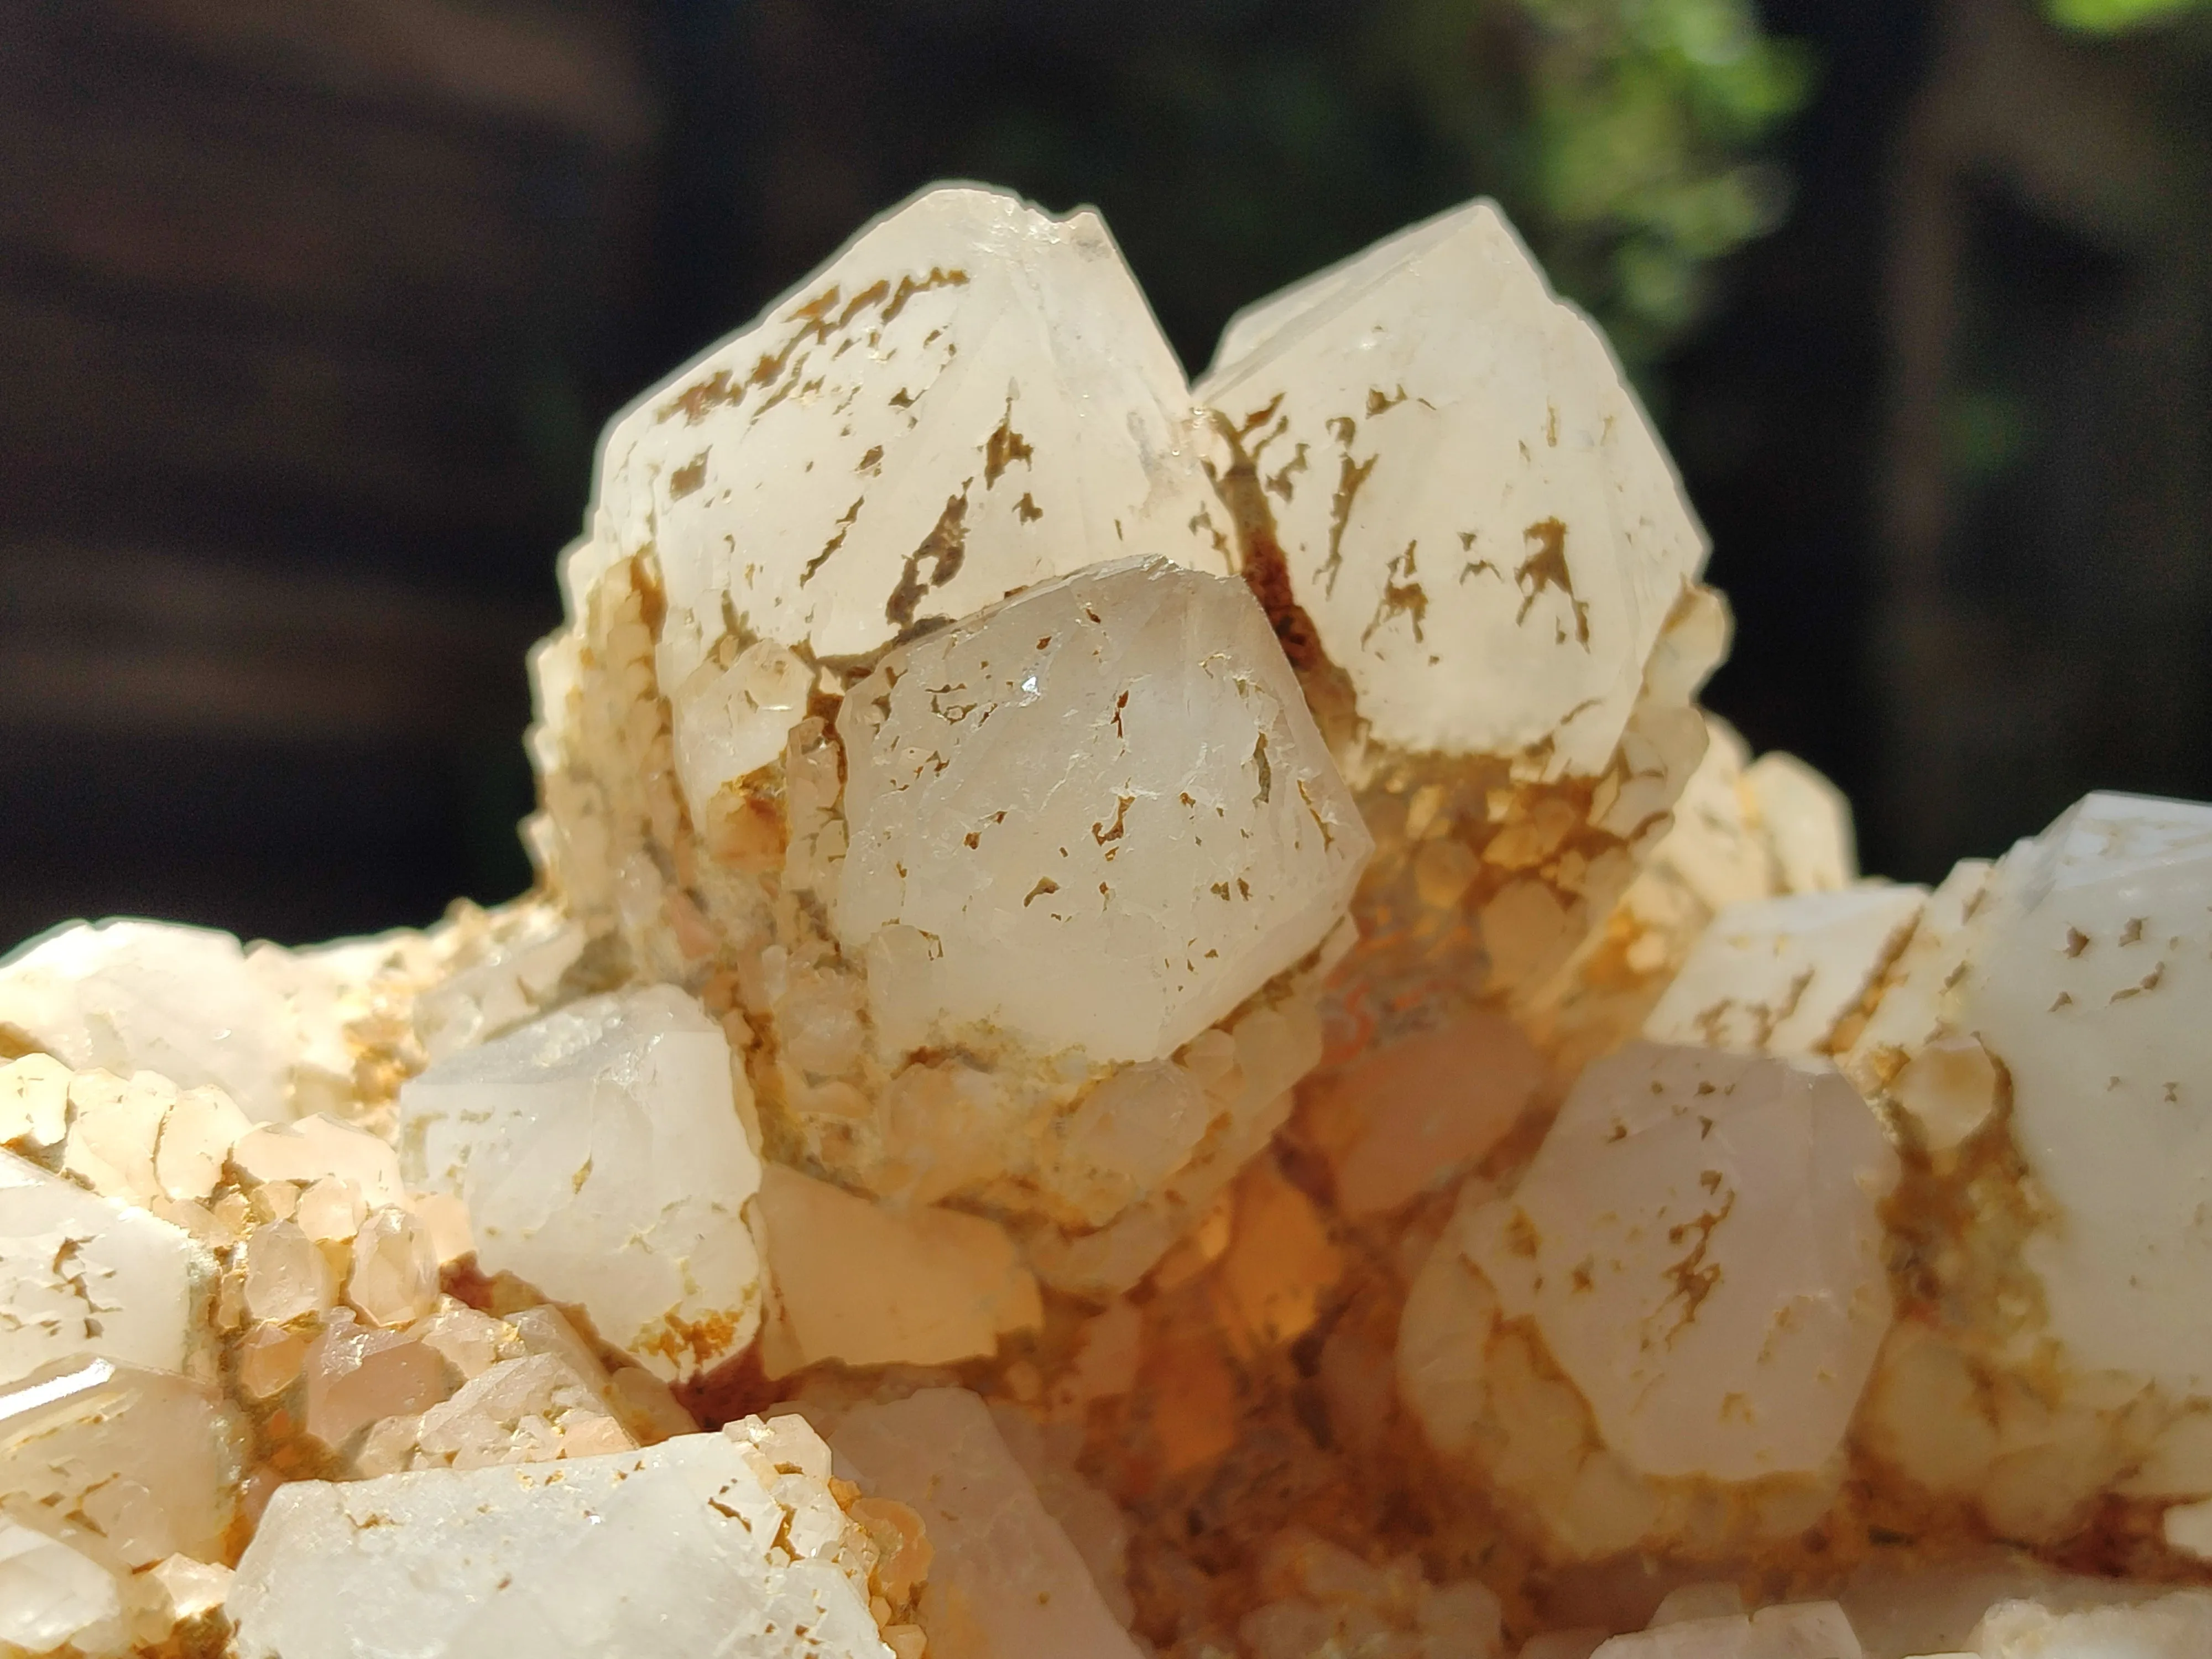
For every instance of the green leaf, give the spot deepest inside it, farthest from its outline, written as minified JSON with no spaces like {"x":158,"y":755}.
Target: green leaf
{"x":2114,"y":16}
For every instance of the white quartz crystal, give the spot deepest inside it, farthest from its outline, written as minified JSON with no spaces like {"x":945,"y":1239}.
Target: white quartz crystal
{"x":2088,"y":981}
{"x":1108,"y":779}
{"x":861,"y":1283}
{"x":971,"y":397}
{"x":602,"y":1159}
{"x":1698,"y":1242}
{"x":1918,"y":1002}
{"x":1782,"y":975}
{"x":1003,"y":1579}
{"x":81,"y":1274}
{"x":699,"y":1546}
{"x":1489,"y":620}
{"x":53,"y":1598}
{"x":129,"y":996}
{"x":147,"y":1461}
{"x":320,"y":1148}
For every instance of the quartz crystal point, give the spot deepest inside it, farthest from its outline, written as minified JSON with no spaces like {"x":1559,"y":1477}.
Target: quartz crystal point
{"x":1696,"y":1247}
{"x":1003,"y":1579}
{"x":949,"y":788}
{"x":148,"y":1460}
{"x":970,"y":397}
{"x":2042,"y":1037}
{"x":724,"y":1544}
{"x":1506,"y":668}
{"x":116,"y":1484}
{"x":82,"y":1275}
{"x":131,"y":996}
{"x":1188,"y":840}
{"x":602,"y":1158}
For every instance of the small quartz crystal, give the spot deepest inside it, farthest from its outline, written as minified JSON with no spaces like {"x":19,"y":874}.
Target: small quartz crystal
{"x":602,"y":1158}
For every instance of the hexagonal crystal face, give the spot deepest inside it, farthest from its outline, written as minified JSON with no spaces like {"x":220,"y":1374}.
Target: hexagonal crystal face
{"x":971,"y":397}
{"x":602,"y":1159}
{"x":1698,"y":1241}
{"x":1469,"y":505}
{"x":2087,"y":981}
{"x":82,"y":1275}
{"x":1096,"y":816}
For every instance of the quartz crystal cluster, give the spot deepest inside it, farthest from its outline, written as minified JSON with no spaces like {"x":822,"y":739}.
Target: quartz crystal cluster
{"x":1152,"y":1025}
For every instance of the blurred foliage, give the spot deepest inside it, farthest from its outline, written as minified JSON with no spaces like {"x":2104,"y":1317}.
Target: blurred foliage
{"x":2111,"y":16}
{"x":1236,"y":145}
{"x":1630,"y":147}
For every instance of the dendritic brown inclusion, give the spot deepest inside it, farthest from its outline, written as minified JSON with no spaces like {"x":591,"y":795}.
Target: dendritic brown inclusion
{"x":1152,"y":1023}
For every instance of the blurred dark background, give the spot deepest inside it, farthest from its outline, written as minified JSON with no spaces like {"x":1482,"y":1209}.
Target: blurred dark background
{"x":311,"y":311}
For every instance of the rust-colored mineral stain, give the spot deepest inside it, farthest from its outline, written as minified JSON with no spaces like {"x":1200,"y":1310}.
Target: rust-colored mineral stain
{"x":688,"y":479}
{"x":1259,"y":554}
{"x":705,"y":1338}
{"x":1547,"y":567}
{"x":945,"y":549}
{"x":1003,"y":448}
{"x":837,"y":538}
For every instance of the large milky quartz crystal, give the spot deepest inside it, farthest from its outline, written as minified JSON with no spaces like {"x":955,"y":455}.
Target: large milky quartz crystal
{"x":115,"y":1483}
{"x":82,"y":1275}
{"x":1481,"y":560}
{"x":602,"y":1158}
{"x":2042,"y":1041}
{"x":1696,"y":1247}
{"x":727,"y":1544}
{"x":1191,"y":839}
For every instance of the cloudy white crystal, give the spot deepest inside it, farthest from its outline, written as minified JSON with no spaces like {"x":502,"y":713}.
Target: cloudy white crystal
{"x":1004,"y":1579}
{"x":1476,"y":620}
{"x":1782,"y":975}
{"x":684,"y":1549}
{"x":602,"y":1159}
{"x":146,"y":1460}
{"x":1698,"y":1241}
{"x":2090,"y":975}
{"x":971,"y":397}
{"x":82,"y":1274}
{"x":1109,"y":780}
{"x":129,"y":996}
